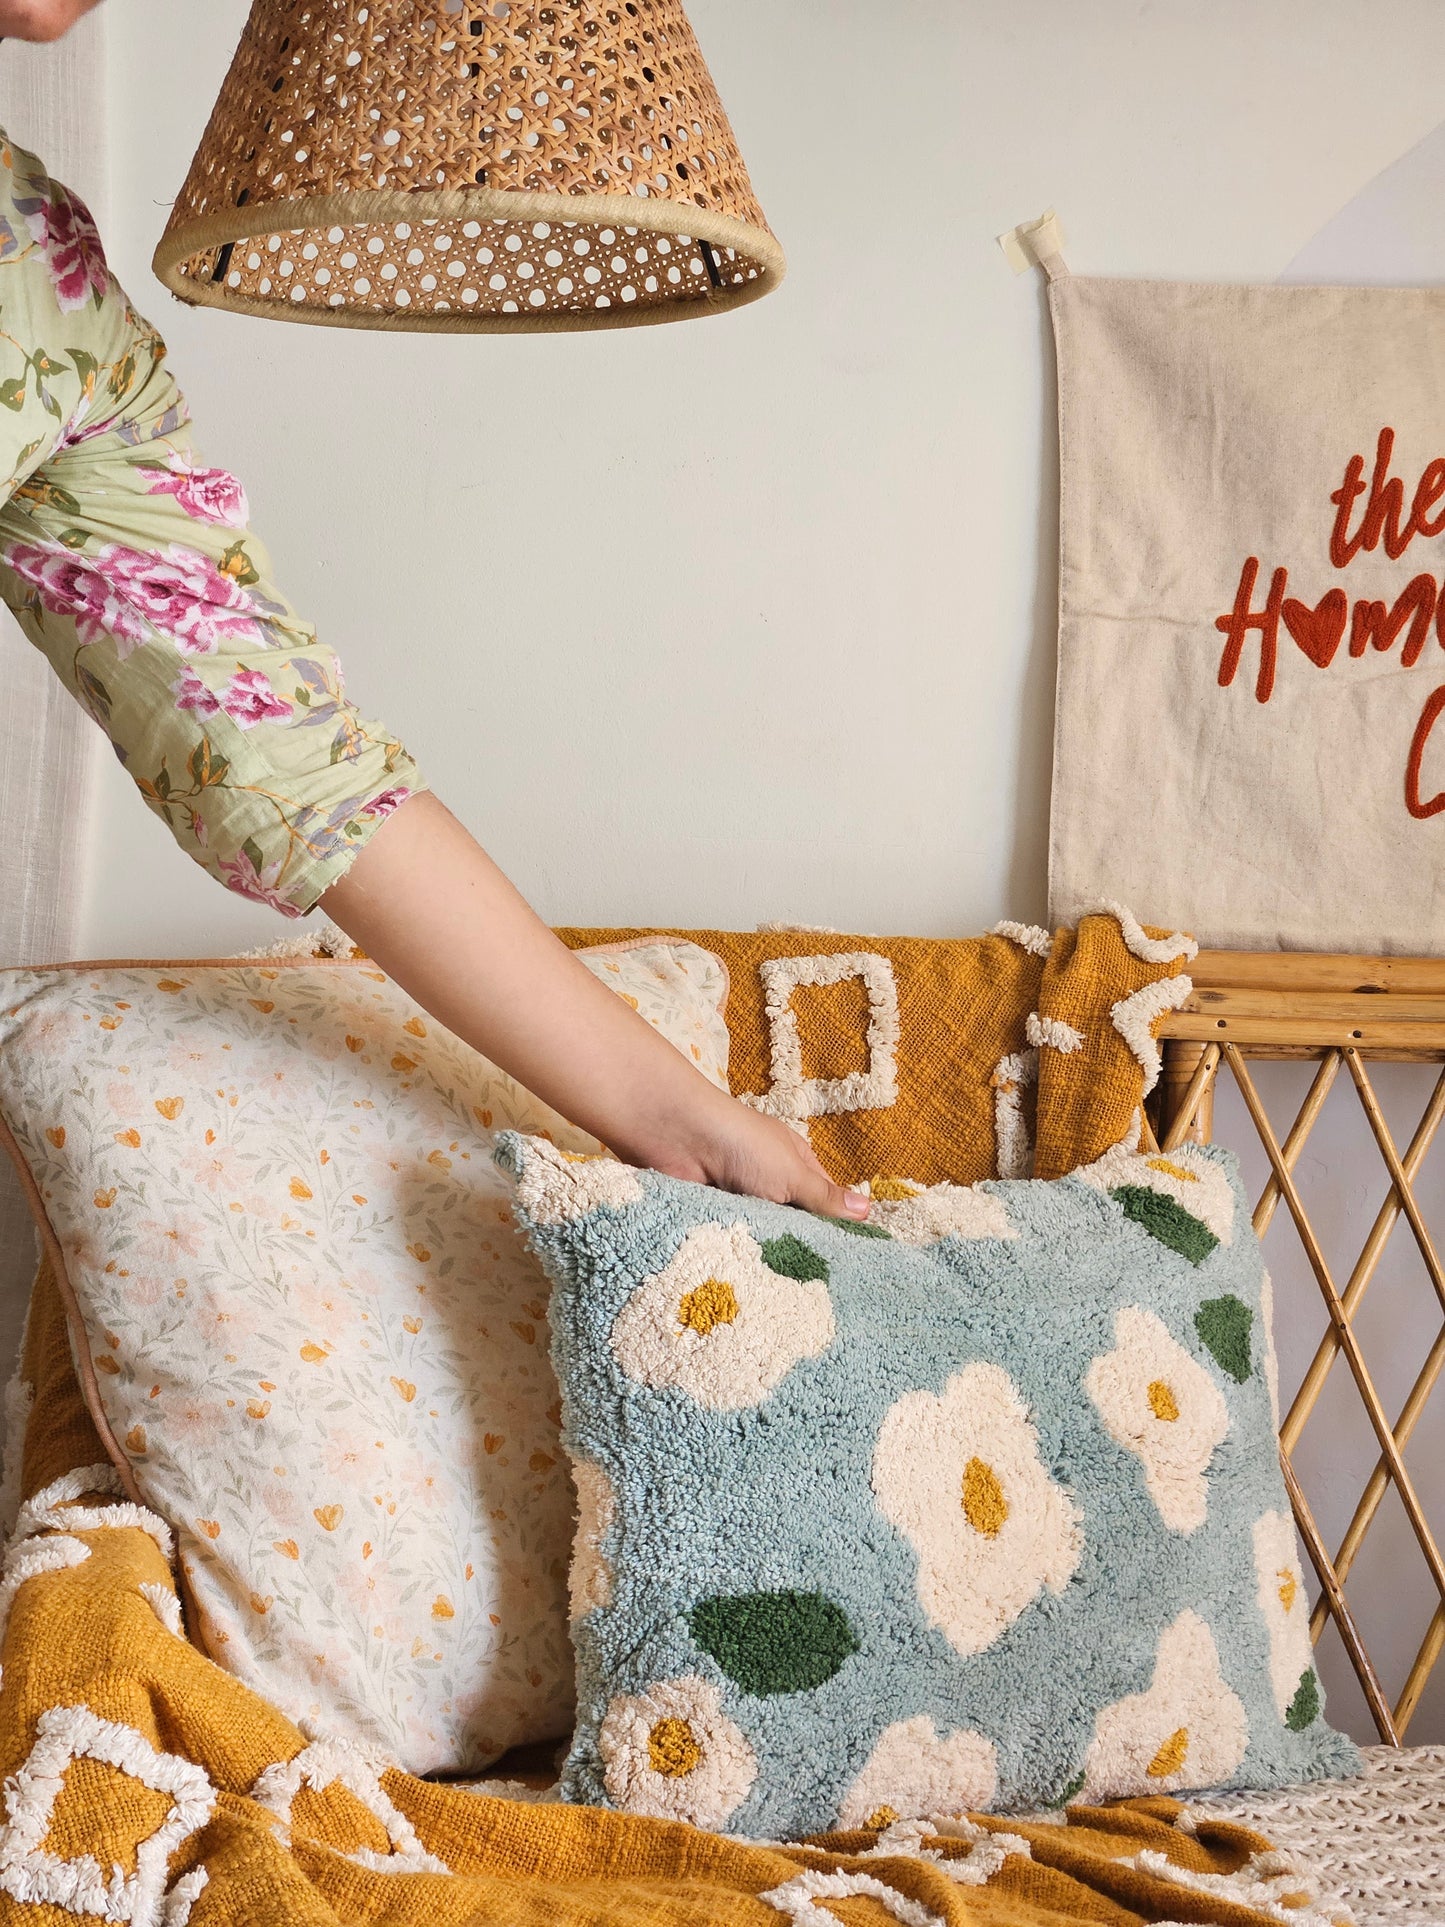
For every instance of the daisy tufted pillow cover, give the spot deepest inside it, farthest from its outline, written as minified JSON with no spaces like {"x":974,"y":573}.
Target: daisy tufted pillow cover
{"x":978,"y":1505}
{"x":308,"y":1329}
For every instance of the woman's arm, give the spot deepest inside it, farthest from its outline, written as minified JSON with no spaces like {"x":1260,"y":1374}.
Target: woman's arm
{"x":429,"y":905}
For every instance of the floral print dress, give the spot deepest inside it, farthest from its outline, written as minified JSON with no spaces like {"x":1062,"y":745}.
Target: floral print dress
{"x":131,"y":566}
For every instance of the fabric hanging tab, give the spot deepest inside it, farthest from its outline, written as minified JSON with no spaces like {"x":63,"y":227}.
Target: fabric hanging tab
{"x":1038,"y":243}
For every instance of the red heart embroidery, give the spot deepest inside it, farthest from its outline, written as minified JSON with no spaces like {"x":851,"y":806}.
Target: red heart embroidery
{"x":1321,"y":630}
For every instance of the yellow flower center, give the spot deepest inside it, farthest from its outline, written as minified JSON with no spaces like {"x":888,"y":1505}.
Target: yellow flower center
{"x":885,"y":1815}
{"x":984,"y":1505}
{"x":1172,"y":1170}
{"x":1288,"y":1588}
{"x":672,"y":1749}
{"x":712,"y":1304}
{"x":1170,"y":1757}
{"x":1162,"y":1402}
{"x":892,"y":1191}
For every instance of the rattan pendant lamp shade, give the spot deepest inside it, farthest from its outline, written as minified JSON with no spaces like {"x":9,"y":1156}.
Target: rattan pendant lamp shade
{"x":467,"y":165}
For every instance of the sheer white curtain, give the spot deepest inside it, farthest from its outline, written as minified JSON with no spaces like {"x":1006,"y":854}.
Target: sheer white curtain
{"x":52,"y":100}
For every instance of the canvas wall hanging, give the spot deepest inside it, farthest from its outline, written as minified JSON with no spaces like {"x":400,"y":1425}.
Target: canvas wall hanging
{"x":1250,"y":734}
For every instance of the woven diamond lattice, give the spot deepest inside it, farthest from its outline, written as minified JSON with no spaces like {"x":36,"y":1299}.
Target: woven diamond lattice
{"x":469,"y":165}
{"x":1315,"y":1008}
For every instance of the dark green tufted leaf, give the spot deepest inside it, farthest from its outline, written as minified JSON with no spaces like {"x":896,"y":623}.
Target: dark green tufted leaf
{"x":1167,"y":1221}
{"x":1304,"y":1708}
{"x":774,"y":1642}
{"x":860,"y":1227}
{"x":1224,"y":1324}
{"x":791,"y":1258}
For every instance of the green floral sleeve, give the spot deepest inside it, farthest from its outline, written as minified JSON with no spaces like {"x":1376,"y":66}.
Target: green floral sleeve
{"x":131,"y":566}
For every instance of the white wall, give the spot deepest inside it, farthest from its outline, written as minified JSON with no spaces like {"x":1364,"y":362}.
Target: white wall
{"x":754,"y":618}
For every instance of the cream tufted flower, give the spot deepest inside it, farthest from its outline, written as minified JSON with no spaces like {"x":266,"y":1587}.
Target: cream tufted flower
{"x":914,"y":1773}
{"x":589,"y":1581}
{"x":1188,"y":1730}
{"x":556,"y":1186}
{"x":959,"y":1474}
{"x":1159,"y":1403}
{"x":919,"y":1214}
{"x":671,"y":1753}
{"x":720,"y":1323}
{"x":1185,"y":1175}
{"x":1282,"y":1601}
{"x":1271,"y":1356}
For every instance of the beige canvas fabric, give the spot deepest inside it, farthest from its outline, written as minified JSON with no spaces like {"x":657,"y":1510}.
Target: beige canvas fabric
{"x":1275,"y":777}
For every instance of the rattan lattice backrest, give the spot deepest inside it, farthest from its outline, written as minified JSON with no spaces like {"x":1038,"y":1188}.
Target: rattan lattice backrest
{"x":461,"y":164}
{"x":1342,"y":1012}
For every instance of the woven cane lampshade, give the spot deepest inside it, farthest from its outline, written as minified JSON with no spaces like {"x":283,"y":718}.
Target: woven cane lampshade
{"x":468,"y":165}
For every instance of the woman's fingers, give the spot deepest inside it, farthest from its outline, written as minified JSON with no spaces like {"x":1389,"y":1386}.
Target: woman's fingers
{"x":815,"y":1191}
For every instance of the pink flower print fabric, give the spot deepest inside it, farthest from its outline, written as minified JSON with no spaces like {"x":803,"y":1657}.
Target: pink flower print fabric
{"x":130,"y":564}
{"x":205,"y":494}
{"x":61,"y":226}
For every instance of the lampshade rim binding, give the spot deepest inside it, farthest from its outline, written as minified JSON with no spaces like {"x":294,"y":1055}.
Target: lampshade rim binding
{"x":353,"y":208}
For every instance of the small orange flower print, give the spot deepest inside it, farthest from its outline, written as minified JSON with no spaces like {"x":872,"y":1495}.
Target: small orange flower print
{"x":129,"y":1138}
{"x":111,"y":1023}
{"x":328,"y":1517}
{"x":300,"y":1189}
{"x":56,"y":1134}
{"x":414,"y":1027}
{"x":267,"y":1386}
{"x":541,"y":1461}
{"x":170,"y":985}
{"x":420,"y":1253}
{"x":105,"y":1363}
{"x":287,"y":1548}
{"x":313,"y":1354}
{"x":211,"y":1527}
{"x":442,"y":1607}
{"x":170,"y":1107}
{"x":357,"y":1198}
{"x":263,"y":1004}
{"x":260,"y":1604}
{"x":354,"y":1044}
{"x":403,"y":1063}
{"x":527,"y":1333}
{"x":405,"y":1387}
{"x":440,"y":1160}
{"x":413,"y":1325}
{"x":484,"y":1118}
{"x":494,"y":1441}
{"x":105,"y":1199}
{"x":135,"y":1439}
{"x":257,"y":1407}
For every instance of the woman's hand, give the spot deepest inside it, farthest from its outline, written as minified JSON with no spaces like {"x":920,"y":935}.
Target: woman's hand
{"x":429,"y":905}
{"x":739,"y":1149}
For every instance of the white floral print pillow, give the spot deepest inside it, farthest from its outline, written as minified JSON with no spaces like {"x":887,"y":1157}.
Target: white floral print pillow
{"x":309,"y":1329}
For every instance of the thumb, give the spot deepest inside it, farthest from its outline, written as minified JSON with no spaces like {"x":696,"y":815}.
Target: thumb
{"x":816,"y":1192}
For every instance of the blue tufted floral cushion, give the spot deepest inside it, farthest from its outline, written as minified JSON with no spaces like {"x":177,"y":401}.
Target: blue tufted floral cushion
{"x":975,"y":1506}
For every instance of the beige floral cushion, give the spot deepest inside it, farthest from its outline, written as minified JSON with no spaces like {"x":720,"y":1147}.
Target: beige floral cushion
{"x":308,"y":1327}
